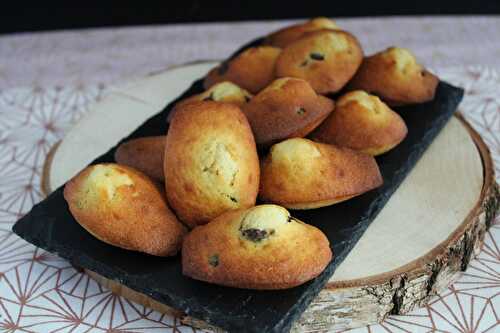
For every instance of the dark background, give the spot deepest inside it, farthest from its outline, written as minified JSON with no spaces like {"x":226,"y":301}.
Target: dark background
{"x":44,"y":15}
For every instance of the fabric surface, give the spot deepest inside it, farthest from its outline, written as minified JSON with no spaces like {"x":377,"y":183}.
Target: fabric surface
{"x":48,"y":80}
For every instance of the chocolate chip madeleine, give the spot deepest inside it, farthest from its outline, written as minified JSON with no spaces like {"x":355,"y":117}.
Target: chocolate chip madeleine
{"x":253,"y":69}
{"x":362,"y":122}
{"x":395,"y":76}
{"x":123,"y":207}
{"x":258,"y":248}
{"x":287,"y":108}
{"x":302,"y":174}
{"x":327,"y":59}
{"x":211,"y":165}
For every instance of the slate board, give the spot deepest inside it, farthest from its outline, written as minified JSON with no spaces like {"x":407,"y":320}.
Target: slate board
{"x":50,"y":225}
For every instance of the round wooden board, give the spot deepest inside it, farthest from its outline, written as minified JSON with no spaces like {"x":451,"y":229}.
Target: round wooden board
{"x":416,"y":246}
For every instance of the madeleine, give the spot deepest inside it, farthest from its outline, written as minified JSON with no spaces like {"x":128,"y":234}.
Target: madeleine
{"x":123,"y":207}
{"x":253,"y":69}
{"x":211,"y":165}
{"x":225,"y":91}
{"x":395,"y":76}
{"x":327,"y":59}
{"x":287,"y":108}
{"x":259,"y":248}
{"x":362,"y":122}
{"x":302,"y":174}
{"x":287,"y":35}
{"x":143,"y":154}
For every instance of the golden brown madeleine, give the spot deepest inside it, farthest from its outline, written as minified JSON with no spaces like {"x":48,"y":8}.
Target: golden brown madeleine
{"x":259,"y":248}
{"x":212,"y":164}
{"x":225,"y":91}
{"x":287,"y":35}
{"x":302,"y":174}
{"x":253,"y":69}
{"x":287,"y":108}
{"x":327,"y":59}
{"x":395,"y":76}
{"x":143,"y":154}
{"x":362,"y":122}
{"x":123,"y":207}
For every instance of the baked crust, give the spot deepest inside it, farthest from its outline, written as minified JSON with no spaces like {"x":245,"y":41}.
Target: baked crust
{"x":287,"y":35}
{"x":143,"y":154}
{"x":362,"y":122}
{"x":287,"y":108}
{"x":258,"y":248}
{"x":303,"y":174}
{"x":327,"y":59}
{"x":212,"y":164}
{"x":225,"y":91}
{"x":253,"y":69}
{"x":395,"y":76}
{"x":123,"y":207}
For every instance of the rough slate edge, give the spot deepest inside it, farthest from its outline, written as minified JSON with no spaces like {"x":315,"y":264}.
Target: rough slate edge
{"x":452,"y":98}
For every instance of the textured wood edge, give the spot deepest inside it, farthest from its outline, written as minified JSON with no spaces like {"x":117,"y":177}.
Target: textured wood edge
{"x":349,"y":304}
{"x":45,"y":181}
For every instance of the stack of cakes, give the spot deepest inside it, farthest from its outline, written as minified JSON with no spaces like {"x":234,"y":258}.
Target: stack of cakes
{"x":294,"y":123}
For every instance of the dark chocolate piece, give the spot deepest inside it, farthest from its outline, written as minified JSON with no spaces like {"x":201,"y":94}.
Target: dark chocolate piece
{"x":213,"y":260}
{"x":317,"y":56}
{"x":255,"y":235}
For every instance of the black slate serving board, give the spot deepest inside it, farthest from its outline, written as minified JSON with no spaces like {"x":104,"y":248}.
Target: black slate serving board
{"x":50,"y":225}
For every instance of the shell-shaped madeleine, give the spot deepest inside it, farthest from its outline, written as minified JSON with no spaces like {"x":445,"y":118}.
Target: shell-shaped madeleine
{"x":395,"y":76}
{"x":259,"y":248}
{"x":287,"y":108}
{"x":143,"y":154}
{"x":253,"y":69}
{"x":327,"y":59}
{"x":123,"y":207}
{"x":211,"y":165}
{"x":287,"y":35}
{"x":302,"y":174}
{"x":362,"y":122}
{"x":225,"y":91}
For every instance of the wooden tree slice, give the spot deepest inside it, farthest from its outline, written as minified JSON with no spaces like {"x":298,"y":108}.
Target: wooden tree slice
{"x":420,"y":242}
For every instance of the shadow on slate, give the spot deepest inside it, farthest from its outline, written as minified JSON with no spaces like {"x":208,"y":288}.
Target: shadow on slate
{"x":50,"y":225}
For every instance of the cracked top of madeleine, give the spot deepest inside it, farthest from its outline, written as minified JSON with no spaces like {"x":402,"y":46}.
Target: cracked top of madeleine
{"x":211,"y":163}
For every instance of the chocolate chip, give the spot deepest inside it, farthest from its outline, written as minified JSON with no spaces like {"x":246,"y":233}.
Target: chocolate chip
{"x":213,"y":260}
{"x":247,"y":99}
{"x":233,"y":199}
{"x":317,"y":56}
{"x":290,"y":219}
{"x":301,"y":111}
{"x":304,"y":63}
{"x":256,"y":235}
{"x":209,"y":98}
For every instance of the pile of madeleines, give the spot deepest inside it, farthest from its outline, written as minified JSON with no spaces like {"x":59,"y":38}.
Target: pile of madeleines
{"x":195,"y":189}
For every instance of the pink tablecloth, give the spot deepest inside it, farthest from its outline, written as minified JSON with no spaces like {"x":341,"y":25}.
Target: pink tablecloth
{"x":47,"y":80}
